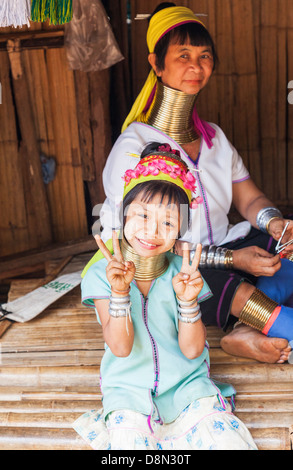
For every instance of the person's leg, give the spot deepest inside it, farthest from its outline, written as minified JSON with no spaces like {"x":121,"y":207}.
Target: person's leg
{"x":232,"y":290}
{"x":246,"y":341}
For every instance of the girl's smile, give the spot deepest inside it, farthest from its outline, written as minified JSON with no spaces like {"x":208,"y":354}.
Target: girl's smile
{"x":147,"y":244}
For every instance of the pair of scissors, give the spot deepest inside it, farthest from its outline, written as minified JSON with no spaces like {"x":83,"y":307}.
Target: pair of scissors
{"x":280,"y":247}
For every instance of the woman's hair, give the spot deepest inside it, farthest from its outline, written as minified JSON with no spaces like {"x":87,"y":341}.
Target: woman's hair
{"x":194,"y":33}
{"x":167,"y":190}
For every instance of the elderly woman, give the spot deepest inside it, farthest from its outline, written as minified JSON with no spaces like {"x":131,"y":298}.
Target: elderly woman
{"x":249,"y":281}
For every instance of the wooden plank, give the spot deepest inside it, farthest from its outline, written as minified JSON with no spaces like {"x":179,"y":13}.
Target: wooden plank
{"x":39,"y":216}
{"x":50,"y":378}
{"x":84,"y":125}
{"x":224,"y":33}
{"x":99,"y":86}
{"x":68,"y":183}
{"x":13,"y":222}
{"x":36,"y":34}
{"x":243,"y":37}
{"x":78,"y":358}
{"x":41,"y":439}
{"x":268,"y":88}
{"x":271,"y":438}
{"x":260,"y":373}
{"x":281,"y":113}
{"x":49,"y":406}
{"x":246,"y":124}
{"x":14,"y":234}
{"x":290,"y":114}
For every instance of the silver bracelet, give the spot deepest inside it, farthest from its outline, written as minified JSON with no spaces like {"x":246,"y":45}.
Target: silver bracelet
{"x":119,"y":306}
{"x":215,"y":257}
{"x":188,"y":311}
{"x":265,"y":215}
{"x":119,"y":300}
{"x":210,"y":256}
{"x":188,"y":319}
{"x":219,"y":258}
{"x":118,"y":313}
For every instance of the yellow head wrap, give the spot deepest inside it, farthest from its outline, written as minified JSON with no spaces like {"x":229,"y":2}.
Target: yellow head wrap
{"x":161,"y":23}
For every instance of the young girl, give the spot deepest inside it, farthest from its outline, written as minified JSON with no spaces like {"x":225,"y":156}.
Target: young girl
{"x":155,"y":380}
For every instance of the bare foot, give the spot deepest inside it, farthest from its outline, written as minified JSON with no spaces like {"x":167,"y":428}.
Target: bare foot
{"x":244,"y":341}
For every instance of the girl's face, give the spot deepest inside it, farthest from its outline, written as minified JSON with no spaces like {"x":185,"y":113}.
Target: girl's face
{"x":187,"y":68}
{"x":152,"y":228}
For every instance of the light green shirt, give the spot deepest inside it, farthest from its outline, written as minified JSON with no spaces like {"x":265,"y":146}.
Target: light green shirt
{"x":156,"y":376}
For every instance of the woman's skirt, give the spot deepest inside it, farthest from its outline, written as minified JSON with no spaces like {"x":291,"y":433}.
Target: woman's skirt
{"x":205,"y":424}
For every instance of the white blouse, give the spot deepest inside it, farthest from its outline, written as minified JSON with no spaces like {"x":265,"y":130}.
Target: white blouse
{"x":219,"y":168}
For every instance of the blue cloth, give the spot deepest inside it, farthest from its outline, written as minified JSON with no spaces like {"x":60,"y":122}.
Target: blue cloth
{"x":279,"y":289}
{"x":156,"y":375}
{"x":283,"y":325}
{"x":280,"y":286}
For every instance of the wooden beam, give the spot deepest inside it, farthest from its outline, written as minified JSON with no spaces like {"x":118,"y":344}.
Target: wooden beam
{"x":41,"y":34}
{"x":10,"y":264}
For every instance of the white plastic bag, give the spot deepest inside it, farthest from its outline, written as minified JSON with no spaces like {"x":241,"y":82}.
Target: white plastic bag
{"x":27,"y":307}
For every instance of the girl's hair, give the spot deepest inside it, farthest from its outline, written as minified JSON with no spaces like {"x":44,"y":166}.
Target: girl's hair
{"x":194,"y":33}
{"x":167,"y":190}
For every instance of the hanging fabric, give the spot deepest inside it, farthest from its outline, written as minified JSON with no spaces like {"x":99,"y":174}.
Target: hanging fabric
{"x":56,"y":11}
{"x":15,"y":13}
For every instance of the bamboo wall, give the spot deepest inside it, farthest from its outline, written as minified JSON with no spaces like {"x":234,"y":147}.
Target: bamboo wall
{"x":247,"y":95}
{"x":74,"y":117}
{"x":51,"y":110}
{"x":38,"y":116}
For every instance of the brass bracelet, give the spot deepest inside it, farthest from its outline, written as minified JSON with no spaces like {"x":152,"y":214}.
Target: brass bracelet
{"x":257,"y":310}
{"x":228,"y":262}
{"x":186,"y":303}
{"x":268,"y":224}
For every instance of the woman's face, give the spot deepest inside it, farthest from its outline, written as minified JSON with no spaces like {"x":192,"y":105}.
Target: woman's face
{"x":152,"y":228}
{"x":187,"y":68}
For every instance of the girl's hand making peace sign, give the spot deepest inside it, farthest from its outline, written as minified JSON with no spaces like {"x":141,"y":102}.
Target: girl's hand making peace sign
{"x":120,"y":273}
{"x":188,"y":282}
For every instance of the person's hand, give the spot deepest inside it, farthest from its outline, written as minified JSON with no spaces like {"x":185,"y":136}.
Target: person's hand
{"x":119,"y":273}
{"x":188,"y":283}
{"x":256,"y":261}
{"x":276,"y":228}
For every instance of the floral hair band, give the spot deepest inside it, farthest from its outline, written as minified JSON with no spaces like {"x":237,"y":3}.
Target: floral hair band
{"x":164,"y":165}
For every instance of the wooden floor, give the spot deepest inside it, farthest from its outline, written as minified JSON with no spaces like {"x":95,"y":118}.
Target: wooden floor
{"x":49,"y":375}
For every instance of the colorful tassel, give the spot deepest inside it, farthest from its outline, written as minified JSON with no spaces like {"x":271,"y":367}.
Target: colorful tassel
{"x":15,"y":13}
{"x":56,"y":11}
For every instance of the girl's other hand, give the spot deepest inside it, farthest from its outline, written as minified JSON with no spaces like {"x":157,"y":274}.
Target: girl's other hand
{"x":120,"y":273}
{"x":188,"y":283}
